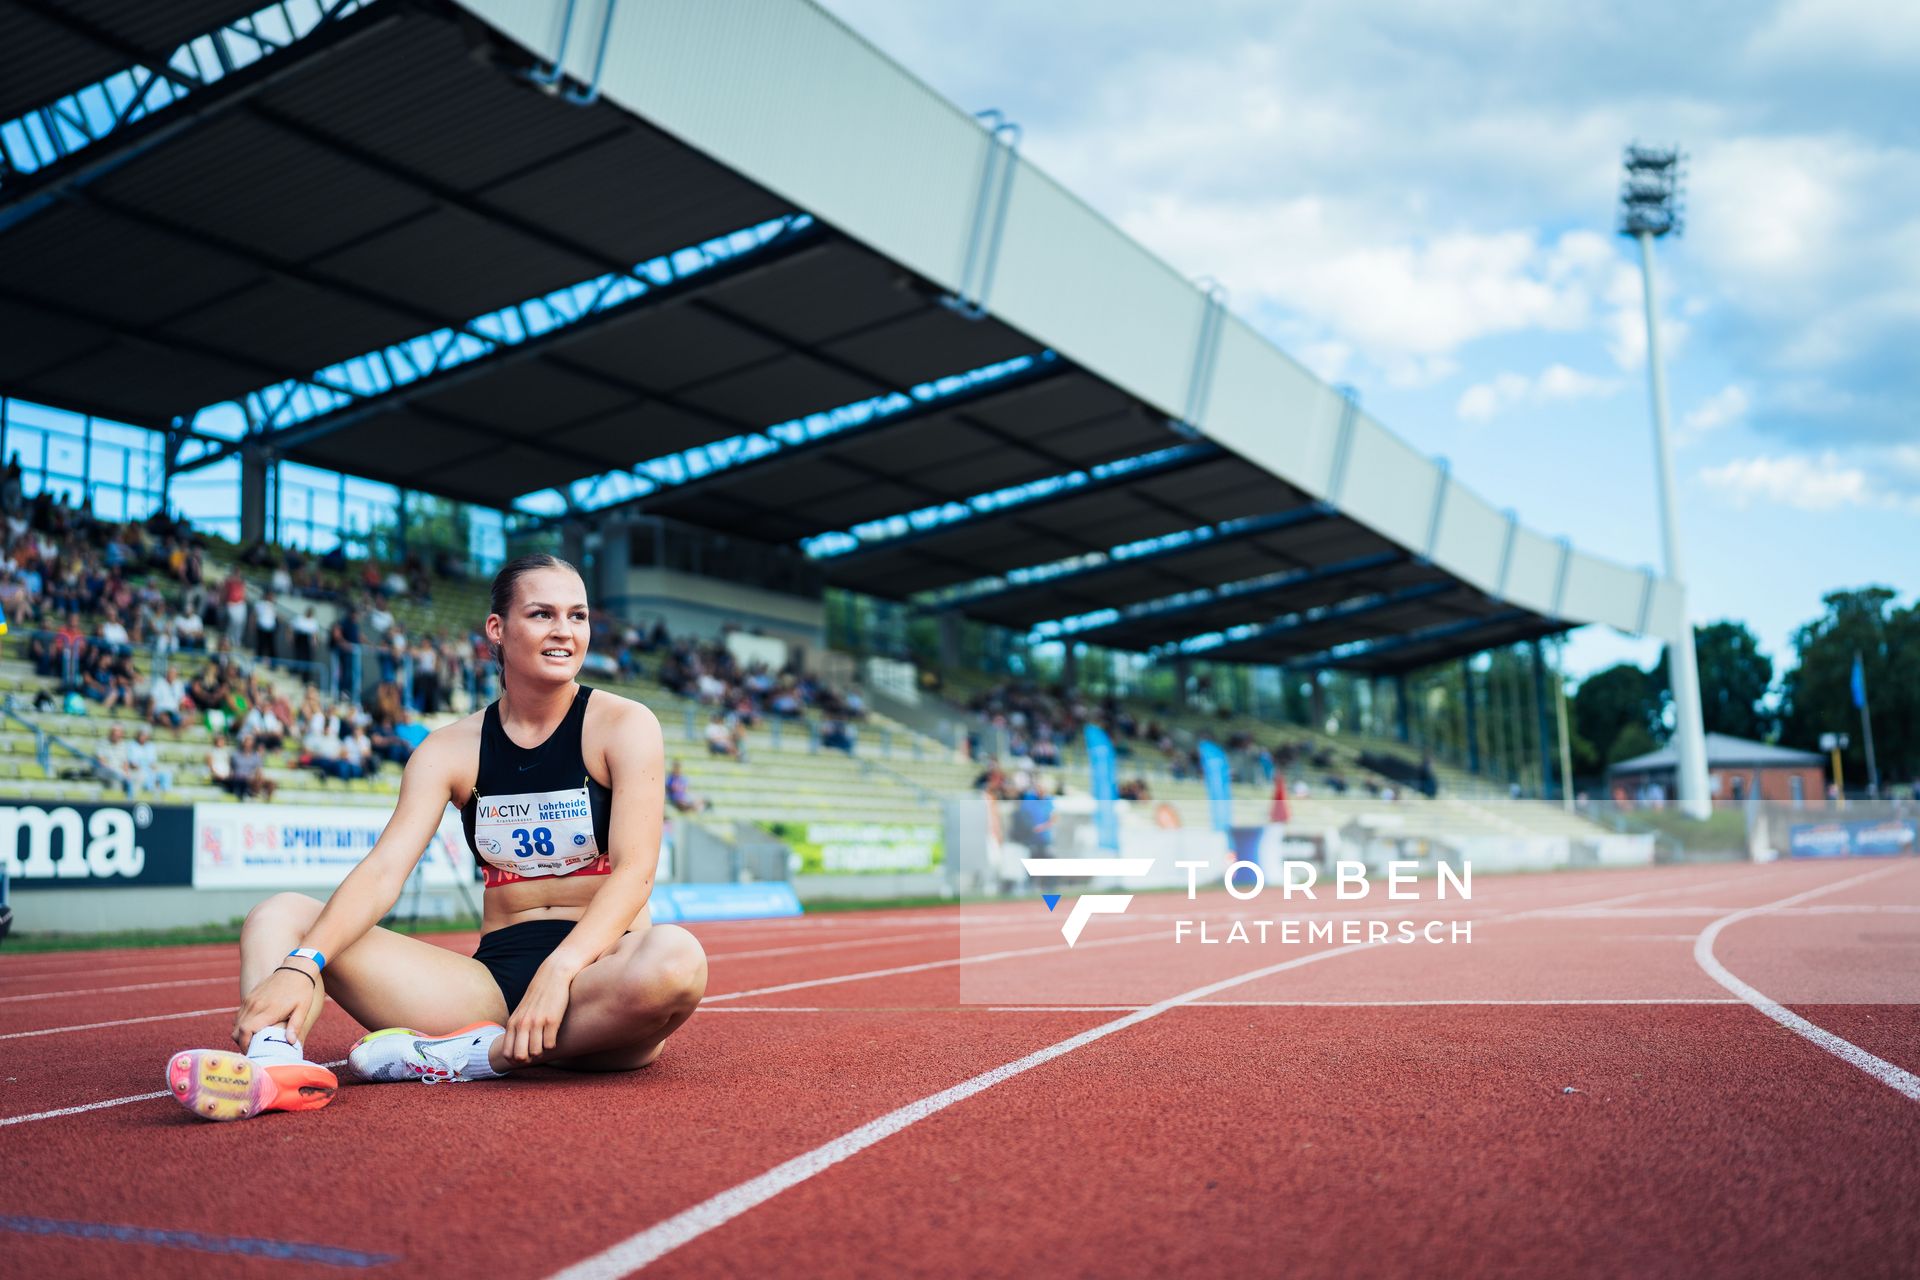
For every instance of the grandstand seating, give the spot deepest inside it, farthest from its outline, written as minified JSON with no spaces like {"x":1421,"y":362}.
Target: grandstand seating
{"x":896,"y":774}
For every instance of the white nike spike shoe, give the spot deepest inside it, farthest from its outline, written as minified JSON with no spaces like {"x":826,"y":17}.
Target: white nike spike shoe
{"x":401,"y":1053}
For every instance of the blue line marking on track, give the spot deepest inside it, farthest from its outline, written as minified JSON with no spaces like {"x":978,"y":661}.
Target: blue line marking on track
{"x":243,"y":1245}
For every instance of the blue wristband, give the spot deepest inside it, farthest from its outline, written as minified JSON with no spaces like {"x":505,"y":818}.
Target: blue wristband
{"x":308,"y":953}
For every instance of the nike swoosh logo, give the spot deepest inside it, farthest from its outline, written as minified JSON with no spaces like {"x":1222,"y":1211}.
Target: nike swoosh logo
{"x":525,"y":767}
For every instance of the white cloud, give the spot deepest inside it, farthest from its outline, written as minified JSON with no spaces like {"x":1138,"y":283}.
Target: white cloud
{"x":1270,"y":146}
{"x":1813,"y":240}
{"x":1723,"y":408}
{"x":1874,"y":32}
{"x":1485,"y":400}
{"x":1805,"y":482}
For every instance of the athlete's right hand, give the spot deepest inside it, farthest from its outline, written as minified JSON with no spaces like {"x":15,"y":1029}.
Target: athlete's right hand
{"x":282,"y":1000}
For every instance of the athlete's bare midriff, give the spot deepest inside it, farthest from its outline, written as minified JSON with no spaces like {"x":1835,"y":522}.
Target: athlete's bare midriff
{"x":549,"y":897}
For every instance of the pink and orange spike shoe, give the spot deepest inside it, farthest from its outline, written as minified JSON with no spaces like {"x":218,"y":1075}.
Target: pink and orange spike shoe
{"x":220,"y":1084}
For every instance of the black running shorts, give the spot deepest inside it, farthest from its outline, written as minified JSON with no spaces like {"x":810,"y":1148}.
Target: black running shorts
{"x":513,"y":954}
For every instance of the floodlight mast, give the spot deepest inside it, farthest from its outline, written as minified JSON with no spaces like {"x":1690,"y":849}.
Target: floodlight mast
{"x":1650,"y":206}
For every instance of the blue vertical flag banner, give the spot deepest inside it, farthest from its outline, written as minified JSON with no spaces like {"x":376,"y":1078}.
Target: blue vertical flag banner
{"x":1213,"y":763}
{"x":1859,"y":683}
{"x":1106,"y":819}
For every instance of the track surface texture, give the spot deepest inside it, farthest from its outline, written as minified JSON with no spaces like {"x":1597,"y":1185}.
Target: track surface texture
{"x":1703,"y":1070}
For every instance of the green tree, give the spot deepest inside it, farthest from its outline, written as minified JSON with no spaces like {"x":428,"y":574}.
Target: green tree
{"x":1735,"y":677}
{"x":432,"y":524}
{"x":1816,"y":694}
{"x":1615,"y":713}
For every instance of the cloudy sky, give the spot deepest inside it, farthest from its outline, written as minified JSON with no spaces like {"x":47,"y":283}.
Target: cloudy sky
{"x":1417,"y":197}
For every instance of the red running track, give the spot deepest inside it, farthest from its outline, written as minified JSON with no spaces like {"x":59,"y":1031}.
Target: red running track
{"x":954,"y":1092}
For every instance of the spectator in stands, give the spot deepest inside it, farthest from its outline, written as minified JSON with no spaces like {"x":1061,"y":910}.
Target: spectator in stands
{"x":250,"y":780}
{"x":189,"y":631}
{"x":69,"y":647}
{"x":683,"y":800}
{"x":345,"y":642}
{"x":116,"y":766}
{"x":306,"y":634}
{"x":426,"y":676}
{"x":836,"y":735}
{"x":1034,"y":819}
{"x":114,"y":636}
{"x":1044,"y":750}
{"x":396,"y":662}
{"x":165,"y":698}
{"x":357,"y":753}
{"x":387,"y":702}
{"x":108,"y":677}
{"x":266,"y":627}
{"x":720,"y":740}
{"x":12,"y":495}
{"x":219,"y":762}
{"x":233,"y":594}
{"x":394,"y":738}
{"x":379,"y":622}
{"x":786,"y":701}
{"x":263,"y":726}
{"x":325,"y":749}
{"x":143,"y":760}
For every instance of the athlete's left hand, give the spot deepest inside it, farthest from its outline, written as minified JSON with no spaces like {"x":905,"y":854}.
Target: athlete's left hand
{"x":534,"y":1028}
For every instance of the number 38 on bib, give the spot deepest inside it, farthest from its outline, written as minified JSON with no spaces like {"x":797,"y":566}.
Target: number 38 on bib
{"x":548,"y":833}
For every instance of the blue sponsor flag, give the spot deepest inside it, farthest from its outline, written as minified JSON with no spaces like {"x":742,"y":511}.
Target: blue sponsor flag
{"x":1859,"y":683}
{"x":1213,"y":763}
{"x":1106,"y":819}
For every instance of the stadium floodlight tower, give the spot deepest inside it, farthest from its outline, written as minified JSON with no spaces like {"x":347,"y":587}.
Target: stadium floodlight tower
{"x":1650,"y":207}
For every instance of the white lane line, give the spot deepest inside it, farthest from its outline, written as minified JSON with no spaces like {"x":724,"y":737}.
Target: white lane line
{"x":87,"y":971}
{"x":118,"y":1022}
{"x":110,"y":1102}
{"x":1836,"y":909}
{"x":663,"y":1237}
{"x":1051,"y":948}
{"x":1902,"y":1081}
{"x":102,"y":991}
{"x":1239,"y":1004}
{"x":1496,"y":1004}
{"x":1604,"y":903}
{"x":920,"y":935}
{"x":647,"y":1246}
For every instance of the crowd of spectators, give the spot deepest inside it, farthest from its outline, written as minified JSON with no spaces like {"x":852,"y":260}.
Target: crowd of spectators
{"x":88,"y":595}
{"x":1030,"y":722}
{"x":742,"y":696}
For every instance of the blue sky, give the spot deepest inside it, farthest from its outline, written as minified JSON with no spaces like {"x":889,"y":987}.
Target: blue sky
{"x":1418,"y":199}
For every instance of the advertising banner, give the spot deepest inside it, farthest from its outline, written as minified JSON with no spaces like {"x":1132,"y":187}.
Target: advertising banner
{"x":1884,"y":838}
{"x":96,"y":846}
{"x":1106,"y":818}
{"x":691,"y":903}
{"x":271,"y":846}
{"x":857,"y":848}
{"x":1219,"y":775}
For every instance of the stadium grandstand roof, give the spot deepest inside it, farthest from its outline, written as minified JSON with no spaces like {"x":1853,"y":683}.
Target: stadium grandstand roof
{"x":846,"y":312}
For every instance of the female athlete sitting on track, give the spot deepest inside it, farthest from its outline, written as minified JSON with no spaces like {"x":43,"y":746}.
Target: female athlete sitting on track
{"x":569,"y":971}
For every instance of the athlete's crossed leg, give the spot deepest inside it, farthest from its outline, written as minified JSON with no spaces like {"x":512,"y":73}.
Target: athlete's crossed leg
{"x":443,"y":1013}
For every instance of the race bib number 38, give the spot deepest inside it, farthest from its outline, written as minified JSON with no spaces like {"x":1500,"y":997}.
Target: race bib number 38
{"x":547,"y":833}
